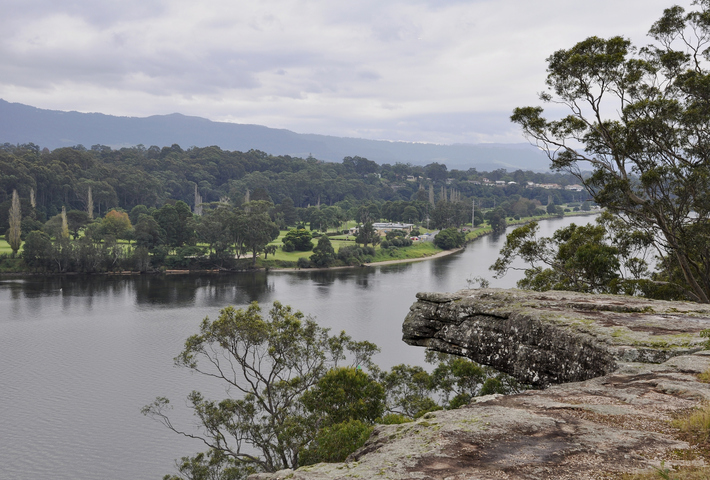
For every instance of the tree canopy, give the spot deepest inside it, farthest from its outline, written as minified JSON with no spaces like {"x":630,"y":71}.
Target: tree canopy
{"x":639,"y":117}
{"x":299,"y":395}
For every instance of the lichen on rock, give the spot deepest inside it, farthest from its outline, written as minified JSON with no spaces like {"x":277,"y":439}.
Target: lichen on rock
{"x":543,"y":338}
{"x":617,"y":370}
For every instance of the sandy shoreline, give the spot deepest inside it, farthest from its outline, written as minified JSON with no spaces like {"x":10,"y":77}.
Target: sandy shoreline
{"x":371,"y":264}
{"x":409,"y":260}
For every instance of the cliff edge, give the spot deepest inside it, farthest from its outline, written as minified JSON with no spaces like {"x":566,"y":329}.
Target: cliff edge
{"x":616,"y":371}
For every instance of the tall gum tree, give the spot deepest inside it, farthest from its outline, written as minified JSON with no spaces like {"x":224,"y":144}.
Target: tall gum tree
{"x":639,"y":119}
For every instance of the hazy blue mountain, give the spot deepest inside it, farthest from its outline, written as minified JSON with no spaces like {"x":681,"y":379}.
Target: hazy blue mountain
{"x":53,"y":129}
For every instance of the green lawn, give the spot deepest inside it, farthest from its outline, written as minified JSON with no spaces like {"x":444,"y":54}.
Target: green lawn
{"x":417,"y":250}
{"x":5,"y":247}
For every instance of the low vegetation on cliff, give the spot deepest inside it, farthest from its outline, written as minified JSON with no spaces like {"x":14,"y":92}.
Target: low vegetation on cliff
{"x":301,"y":394}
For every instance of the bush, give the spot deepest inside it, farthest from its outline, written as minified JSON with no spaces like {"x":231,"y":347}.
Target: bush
{"x":449,"y":238}
{"x":354,"y":255}
{"x":394,"y":419}
{"x":303,"y":262}
{"x":335,"y":443}
{"x":299,"y":239}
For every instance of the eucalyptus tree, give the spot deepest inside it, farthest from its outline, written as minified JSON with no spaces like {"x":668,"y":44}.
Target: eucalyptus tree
{"x":271,"y":363}
{"x":639,"y":118}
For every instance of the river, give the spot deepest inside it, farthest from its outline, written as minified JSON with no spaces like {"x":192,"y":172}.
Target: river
{"x":80,"y":356}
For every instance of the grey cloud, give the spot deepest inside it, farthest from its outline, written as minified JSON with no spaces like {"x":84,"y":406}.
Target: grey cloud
{"x":400,"y":70}
{"x":102,"y":13}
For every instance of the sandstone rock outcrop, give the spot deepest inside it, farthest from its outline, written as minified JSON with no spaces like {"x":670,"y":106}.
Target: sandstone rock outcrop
{"x":617,"y":370}
{"x":554,"y":337}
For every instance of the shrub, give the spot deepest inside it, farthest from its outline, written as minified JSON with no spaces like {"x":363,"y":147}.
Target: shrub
{"x":449,"y":238}
{"x":303,"y":262}
{"x":394,"y":419}
{"x":299,"y":239}
{"x":335,"y":443}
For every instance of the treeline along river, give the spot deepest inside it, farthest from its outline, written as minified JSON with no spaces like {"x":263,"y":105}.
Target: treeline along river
{"x":80,"y":356}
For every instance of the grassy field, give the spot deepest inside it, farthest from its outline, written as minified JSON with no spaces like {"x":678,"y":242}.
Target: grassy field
{"x":5,"y":247}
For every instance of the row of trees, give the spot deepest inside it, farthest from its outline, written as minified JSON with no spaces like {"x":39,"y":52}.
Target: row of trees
{"x":172,"y":230}
{"x":301,"y":394}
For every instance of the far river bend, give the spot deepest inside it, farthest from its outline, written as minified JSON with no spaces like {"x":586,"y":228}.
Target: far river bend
{"x":80,"y":356}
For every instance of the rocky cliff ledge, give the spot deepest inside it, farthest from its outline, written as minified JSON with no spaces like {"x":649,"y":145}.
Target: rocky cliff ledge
{"x":554,"y":337}
{"x":628,"y":366}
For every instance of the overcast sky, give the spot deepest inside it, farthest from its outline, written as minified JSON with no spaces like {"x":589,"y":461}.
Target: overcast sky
{"x":440,"y":71}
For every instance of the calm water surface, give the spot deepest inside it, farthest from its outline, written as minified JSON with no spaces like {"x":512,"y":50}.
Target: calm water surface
{"x":79,"y":357}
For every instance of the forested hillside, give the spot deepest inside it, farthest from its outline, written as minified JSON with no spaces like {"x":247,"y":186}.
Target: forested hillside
{"x":152,"y":176}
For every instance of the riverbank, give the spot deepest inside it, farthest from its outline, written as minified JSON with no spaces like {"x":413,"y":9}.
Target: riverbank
{"x":420,"y":259}
{"x":16,"y":267}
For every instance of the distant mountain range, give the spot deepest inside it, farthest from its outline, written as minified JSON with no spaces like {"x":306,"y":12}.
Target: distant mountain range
{"x":54,"y":129}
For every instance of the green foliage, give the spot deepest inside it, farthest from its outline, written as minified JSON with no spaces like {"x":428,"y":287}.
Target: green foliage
{"x":174,"y":221}
{"x":602,"y":258}
{"x":394,"y":419}
{"x":116,"y":224}
{"x":147,"y":232}
{"x":354,"y":255}
{"x":635,"y":114}
{"x":212,"y":465}
{"x":254,"y":231}
{"x":293,"y":403}
{"x":344,"y":394}
{"x":323,"y":253}
{"x":367,"y":234}
{"x":37,"y":251}
{"x":497,"y":221}
{"x":409,"y":390}
{"x":334,"y":443}
{"x":299,"y":240}
{"x":271,"y":363}
{"x":449,"y":238}
{"x":450,"y":214}
{"x":77,"y":219}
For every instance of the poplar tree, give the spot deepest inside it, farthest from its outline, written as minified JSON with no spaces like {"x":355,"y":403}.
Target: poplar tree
{"x":65,"y":223}
{"x":90,"y":205}
{"x":15,"y":220}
